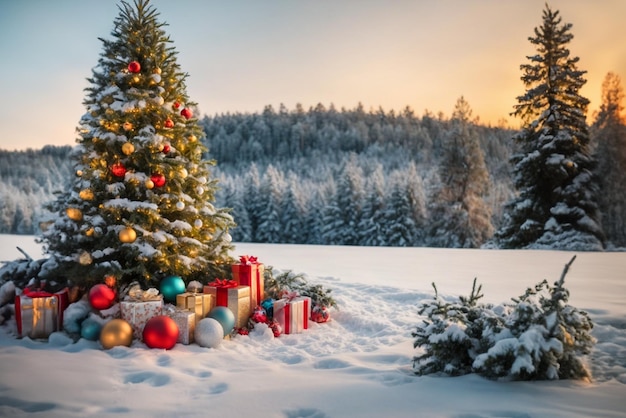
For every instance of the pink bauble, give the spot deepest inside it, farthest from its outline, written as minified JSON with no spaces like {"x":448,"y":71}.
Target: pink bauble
{"x":101,"y":296}
{"x":160,"y":332}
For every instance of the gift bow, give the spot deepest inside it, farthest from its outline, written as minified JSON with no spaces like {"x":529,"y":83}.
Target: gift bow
{"x":36,"y":293}
{"x":248,"y":259}
{"x":289,"y":295}
{"x":224,"y":283}
{"x":135,"y":294}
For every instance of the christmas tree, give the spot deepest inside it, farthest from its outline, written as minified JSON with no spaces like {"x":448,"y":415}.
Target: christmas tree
{"x":139,"y":207}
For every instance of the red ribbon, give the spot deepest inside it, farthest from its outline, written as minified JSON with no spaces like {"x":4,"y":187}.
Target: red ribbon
{"x":248,"y":259}
{"x":223,"y":283}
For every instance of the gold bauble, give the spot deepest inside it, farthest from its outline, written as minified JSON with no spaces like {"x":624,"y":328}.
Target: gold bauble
{"x":127,"y":235}
{"x":85,"y":258}
{"x":149,"y":184}
{"x":157,"y":70}
{"x":183,"y":173}
{"x":90,"y":232}
{"x":128,"y":148}
{"x":569,"y":164}
{"x":127,"y":126}
{"x":74,"y":214}
{"x":136,"y":79}
{"x":86,"y":194}
{"x":192,"y":138}
{"x":116,"y":332}
{"x":79,"y":173}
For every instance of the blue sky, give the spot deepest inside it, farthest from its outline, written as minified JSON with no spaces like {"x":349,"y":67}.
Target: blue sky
{"x":244,"y":54}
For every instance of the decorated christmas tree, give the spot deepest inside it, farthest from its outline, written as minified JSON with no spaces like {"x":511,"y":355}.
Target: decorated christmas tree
{"x":140,"y":205}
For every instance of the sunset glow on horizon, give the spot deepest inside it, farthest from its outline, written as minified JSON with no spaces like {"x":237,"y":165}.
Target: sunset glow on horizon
{"x":244,"y":55}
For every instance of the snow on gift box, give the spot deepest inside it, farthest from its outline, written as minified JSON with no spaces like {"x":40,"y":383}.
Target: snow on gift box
{"x":39,"y":313}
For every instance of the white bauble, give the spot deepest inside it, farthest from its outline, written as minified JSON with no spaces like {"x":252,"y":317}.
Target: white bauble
{"x":209,"y":333}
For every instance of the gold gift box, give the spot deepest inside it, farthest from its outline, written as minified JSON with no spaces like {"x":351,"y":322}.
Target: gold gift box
{"x":237,"y":299}
{"x":198,"y":303}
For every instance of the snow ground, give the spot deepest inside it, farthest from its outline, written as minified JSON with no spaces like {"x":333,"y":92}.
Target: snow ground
{"x":359,"y":364}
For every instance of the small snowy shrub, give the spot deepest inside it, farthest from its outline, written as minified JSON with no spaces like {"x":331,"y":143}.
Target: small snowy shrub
{"x":538,"y":337}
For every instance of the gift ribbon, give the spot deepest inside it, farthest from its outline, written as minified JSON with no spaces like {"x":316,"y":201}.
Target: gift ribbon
{"x":223,"y":283}
{"x":62,"y":301}
{"x":248,"y":259}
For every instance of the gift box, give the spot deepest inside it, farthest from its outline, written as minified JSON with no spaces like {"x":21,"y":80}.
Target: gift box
{"x":186,"y":321}
{"x":234,"y":296}
{"x":38,"y":313}
{"x":139,"y":307}
{"x":292,"y":314}
{"x":249,"y":272}
{"x":198,"y":303}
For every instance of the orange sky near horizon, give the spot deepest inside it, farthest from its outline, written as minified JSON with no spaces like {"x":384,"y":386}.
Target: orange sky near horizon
{"x":243,"y":55}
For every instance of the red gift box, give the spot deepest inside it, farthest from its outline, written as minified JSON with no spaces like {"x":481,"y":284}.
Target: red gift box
{"x":39,"y":313}
{"x":249,"y":272}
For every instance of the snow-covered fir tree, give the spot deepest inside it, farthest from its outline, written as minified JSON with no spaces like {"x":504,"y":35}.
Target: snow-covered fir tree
{"x":609,"y":140}
{"x":271,"y":195}
{"x":372,"y":223}
{"x":292,"y":214}
{"x":461,"y":218}
{"x":399,"y":228}
{"x":140,"y":204}
{"x":556,"y":202}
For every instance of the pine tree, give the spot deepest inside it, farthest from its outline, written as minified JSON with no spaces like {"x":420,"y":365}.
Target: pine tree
{"x":400,"y":230}
{"x":270,"y":222}
{"x":372,"y":225}
{"x":555,"y":206}
{"x":462,"y":217}
{"x":609,"y":139}
{"x":292,"y":214}
{"x":140,"y":206}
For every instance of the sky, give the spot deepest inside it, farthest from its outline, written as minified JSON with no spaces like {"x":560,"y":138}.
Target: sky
{"x":245,"y":54}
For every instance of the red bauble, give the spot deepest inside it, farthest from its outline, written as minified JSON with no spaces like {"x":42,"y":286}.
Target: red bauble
{"x":166,"y":148}
{"x":118,"y":169}
{"x":320,"y":314}
{"x":276,"y":328}
{"x":101,"y":296}
{"x":176,"y":105}
{"x":134,"y":67}
{"x":168,"y":123}
{"x":186,"y":113}
{"x":158,"y":180}
{"x":259,"y":315}
{"x":160,"y":332}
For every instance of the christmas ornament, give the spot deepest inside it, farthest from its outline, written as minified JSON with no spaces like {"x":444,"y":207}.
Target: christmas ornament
{"x":170,"y":287}
{"x":209,"y":333}
{"x":160,"y":332}
{"x":168,"y":123}
{"x":176,"y":105}
{"x":158,"y":179}
{"x":89,"y":232}
{"x":180,"y":205}
{"x":149,"y":184}
{"x":127,"y":126}
{"x":159,"y":100}
{"x":243,"y":331}
{"x":276,"y":328}
{"x":74,"y":214}
{"x":186,"y":113}
{"x":116,"y":332}
{"x":86,"y":194}
{"x":136,"y":79}
{"x":79,"y":173}
{"x":134,"y":67}
{"x":128,"y":148}
{"x":127,"y":235}
{"x":194,"y":286}
{"x":166,"y":148}
{"x":85,"y":258}
{"x":157,"y":70}
{"x":90,"y":329}
{"x":183,"y":173}
{"x":200,"y":190}
{"x":198,"y":223}
{"x":225,"y":317}
{"x":101,"y":296}
{"x":118,"y":169}
{"x":320,"y":314}
{"x":192,"y":138}
{"x":259,"y":315}
{"x":110,"y":281}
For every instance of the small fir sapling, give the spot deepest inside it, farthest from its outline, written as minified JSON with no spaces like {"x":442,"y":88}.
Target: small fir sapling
{"x":275,"y":285}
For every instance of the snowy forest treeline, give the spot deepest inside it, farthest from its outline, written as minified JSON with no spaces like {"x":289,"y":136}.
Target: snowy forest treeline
{"x":325,"y":176}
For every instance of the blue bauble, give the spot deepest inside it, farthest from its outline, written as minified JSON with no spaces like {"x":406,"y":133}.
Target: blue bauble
{"x":268,"y":305}
{"x":172,"y":286}
{"x":90,"y":329}
{"x":225,"y":317}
